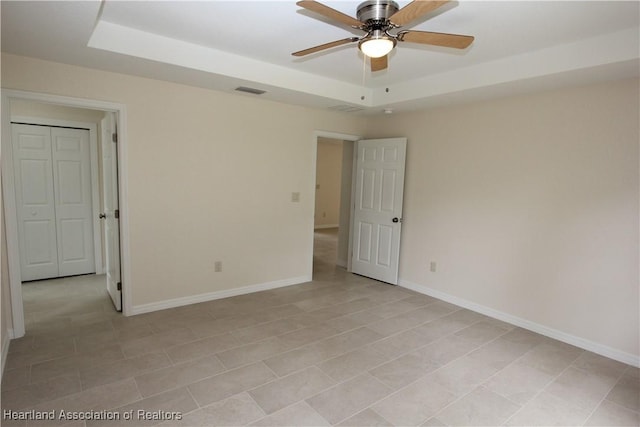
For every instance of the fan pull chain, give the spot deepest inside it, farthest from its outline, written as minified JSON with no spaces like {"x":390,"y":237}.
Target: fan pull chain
{"x":364,"y":69}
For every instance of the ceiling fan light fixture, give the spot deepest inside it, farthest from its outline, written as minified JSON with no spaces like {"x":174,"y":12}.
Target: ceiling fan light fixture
{"x":377,"y":45}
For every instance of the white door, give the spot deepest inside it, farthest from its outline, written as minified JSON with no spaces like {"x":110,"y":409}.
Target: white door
{"x":53,"y":194}
{"x":72,"y":192}
{"x":33,"y":174}
{"x":378,"y":208}
{"x":110,"y":213}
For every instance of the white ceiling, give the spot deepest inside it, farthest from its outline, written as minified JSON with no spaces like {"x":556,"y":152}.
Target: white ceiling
{"x":519,"y":46}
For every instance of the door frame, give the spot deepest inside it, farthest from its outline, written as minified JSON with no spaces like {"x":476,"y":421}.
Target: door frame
{"x":93,"y":156}
{"x":314,"y":158}
{"x":9,"y":200}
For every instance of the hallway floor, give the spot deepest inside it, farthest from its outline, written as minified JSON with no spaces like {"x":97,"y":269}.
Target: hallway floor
{"x":340,"y":350}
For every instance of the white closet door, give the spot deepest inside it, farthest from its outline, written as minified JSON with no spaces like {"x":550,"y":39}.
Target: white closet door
{"x":378,"y":208}
{"x":33,"y":176}
{"x":72,"y":190}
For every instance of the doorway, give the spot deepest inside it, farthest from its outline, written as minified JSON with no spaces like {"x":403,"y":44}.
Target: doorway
{"x":332,"y":204}
{"x":18,"y":104}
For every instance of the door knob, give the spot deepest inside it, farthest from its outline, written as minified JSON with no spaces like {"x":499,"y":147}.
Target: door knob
{"x":396,"y":219}
{"x":102,"y":216}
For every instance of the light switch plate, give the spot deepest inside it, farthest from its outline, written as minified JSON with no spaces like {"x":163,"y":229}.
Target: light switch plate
{"x":295,"y":197}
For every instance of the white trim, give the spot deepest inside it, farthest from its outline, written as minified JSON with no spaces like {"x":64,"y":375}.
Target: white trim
{"x":314,"y":158}
{"x":323,"y":226}
{"x":195,"y":299}
{"x":583,"y":343}
{"x":5,"y":351}
{"x":95,"y":190}
{"x":341,"y":263}
{"x":10,"y":204}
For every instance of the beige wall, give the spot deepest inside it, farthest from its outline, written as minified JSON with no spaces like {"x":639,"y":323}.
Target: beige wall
{"x":328,"y":182}
{"x":210,"y":178}
{"x":57,"y":112}
{"x":529,"y":206}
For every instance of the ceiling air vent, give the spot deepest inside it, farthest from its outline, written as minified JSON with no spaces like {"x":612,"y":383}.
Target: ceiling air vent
{"x":250,"y":90}
{"x":346,"y":108}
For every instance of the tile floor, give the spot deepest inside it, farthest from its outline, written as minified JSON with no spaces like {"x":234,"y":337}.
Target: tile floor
{"x":341,"y":350}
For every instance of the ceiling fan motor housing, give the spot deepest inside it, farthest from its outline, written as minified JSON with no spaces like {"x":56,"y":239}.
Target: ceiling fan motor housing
{"x":376,"y":11}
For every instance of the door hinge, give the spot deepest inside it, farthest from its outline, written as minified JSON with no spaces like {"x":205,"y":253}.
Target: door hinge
{"x":114,"y":137}
{"x":116,"y":213}
{"x":119,"y":286}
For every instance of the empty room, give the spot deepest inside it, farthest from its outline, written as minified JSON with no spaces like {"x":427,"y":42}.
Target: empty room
{"x":311,"y":213}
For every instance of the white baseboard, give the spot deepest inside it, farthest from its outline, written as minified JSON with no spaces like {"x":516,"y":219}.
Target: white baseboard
{"x":583,"y":343}
{"x":320,"y":227}
{"x":341,"y":263}
{"x":194,"y":299}
{"x":5,"y":351}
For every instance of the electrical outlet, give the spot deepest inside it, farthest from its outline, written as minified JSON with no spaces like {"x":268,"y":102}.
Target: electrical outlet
{"x":295,"y":197}
{"x":324,"y":214}
{"x":317,"y":186}
{"x":217,"y":266}
{"x":432,"y":266}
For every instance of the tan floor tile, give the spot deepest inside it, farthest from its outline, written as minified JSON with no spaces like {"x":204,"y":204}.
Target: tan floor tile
{"x":157,"y":342}
{"x":463,"y":375}
{"x":626,"y":393}
{"x":404,"y":370}
{"x":96,"y":399}
{"x":433,"y":422}
{"x":481,"y":332}
{"x":366,"y":418}
{"x":547,"y":410}
{"x":299,"y":414}
{"x":400,"y":343}
{"x":178,"y":375}
{"x":253,"y":352}
{"x":446,"y":349}
{"x":105,"y":374}
{"x":18,"y":377}
{"x":202,"y":347}
{"x":415,"y":403}
{"x":36,"y":393}
{"x":50,"y":351}
{"x":348,"y":398}
{"x":266,"y":330}
{"x":611,"y":414}
{"x":599,"y":365}
{"x":481,"y":407}
{"x":580,"y":388}
{"x":351,"y":364}
{"x":236,"y":410}
{"x":307,"y":335}
{"x":315,"y":353}
{"x":518,"y":382}
{"x":439,"y":328}
{"x":284,"y":391}
{"x":500,"y":352}
{"x":222,"y":325}
{"x":174,"y":401}
{"x":409,"y":319}
{"x":294,"y":360}
{"x":551,"y":356}
{"x":227,"y":384}
{"x":72,"y":365}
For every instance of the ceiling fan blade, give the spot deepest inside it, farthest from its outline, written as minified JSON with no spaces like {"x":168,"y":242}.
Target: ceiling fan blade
{"x":325,"y":46}
{"x":456,"y":41}
{"x":321,"y":9}
{"x":379,"y":64}
{"x":414,"y":10}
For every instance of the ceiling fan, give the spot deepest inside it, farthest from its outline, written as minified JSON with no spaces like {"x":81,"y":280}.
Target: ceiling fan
{"x":379,"y":18}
